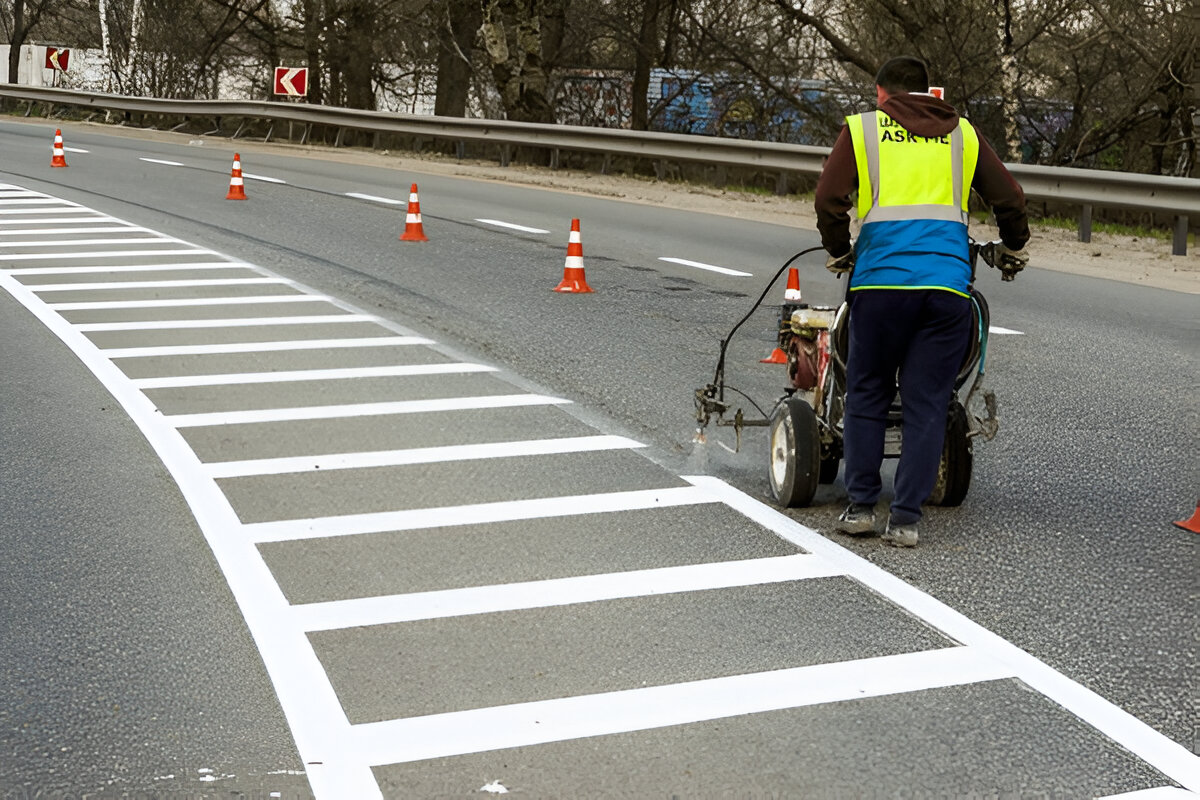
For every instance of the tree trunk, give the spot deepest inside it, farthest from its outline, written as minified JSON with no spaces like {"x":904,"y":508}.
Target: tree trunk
{"x":514,"y":37}
{"x":1010,"y":87}
{"x":18,"y":39}
{"x":647,"y":47}
{"x":359,"y":55}
{"x":456,"y":39}
{"x":314,"y":19}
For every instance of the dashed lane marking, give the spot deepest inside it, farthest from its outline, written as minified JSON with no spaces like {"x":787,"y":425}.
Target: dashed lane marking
{"x":1003,"y":331}
{"x":512,"y":226}
{"x":162,"y":161}
{"x":708,"y":267}
{"x":375,"y":199}
{"x":102,"y":254}
{"x":264,"y":178}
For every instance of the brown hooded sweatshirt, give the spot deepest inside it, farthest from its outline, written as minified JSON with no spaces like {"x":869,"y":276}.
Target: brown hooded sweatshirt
{"x":923,"y":115}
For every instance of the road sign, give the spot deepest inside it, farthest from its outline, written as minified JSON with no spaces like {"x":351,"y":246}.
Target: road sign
{"x":938,"y":91}
{"x":57,"y":58}
{"x":292,"y":81}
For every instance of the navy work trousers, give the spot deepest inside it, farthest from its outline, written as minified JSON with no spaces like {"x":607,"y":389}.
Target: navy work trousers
{"x":922,"y":334}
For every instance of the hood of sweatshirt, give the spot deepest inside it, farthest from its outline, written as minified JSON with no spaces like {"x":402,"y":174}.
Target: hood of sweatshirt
{"x":922,"y":114}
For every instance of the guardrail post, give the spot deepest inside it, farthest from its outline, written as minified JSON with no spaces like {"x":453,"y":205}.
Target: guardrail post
{"x":1179,"y":241}
{"x":606,"y":164}
{"x":660,"y":169}
{"x":304,"y":136}
{"x":375,"y":141}
{"x":270,"y":132}
{"x":1085,"y":223}
{"x":337,"y":141}
{"x":554,"y":158}
{"x":505,"y":155}
{"x":460,"y":149}
{"x":781,"y":184}
{"x":722,"y":177}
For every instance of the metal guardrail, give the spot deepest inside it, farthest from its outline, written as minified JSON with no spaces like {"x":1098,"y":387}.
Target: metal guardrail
{"x":1083,"y":187}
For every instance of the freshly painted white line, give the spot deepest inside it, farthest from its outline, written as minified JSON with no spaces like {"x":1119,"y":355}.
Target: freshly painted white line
{"x":252,"y":177}
{"x":361,"y":410}
{"x":172,"y":267}
{"x":262,"y":347}
{"x":1168,"y":757}
{"x":1003,"y":331}
{"x":514,"y":226}
{"x":73,"y":242}
{"x":387,"y":610}
{"x":103,"y":254}
{"x":375,"y":199}
{"x":56,"y":231}
{"x":342,"y":373}
{"x":41,"y":200}
{"x":240,"y":322}
{"x":95,"y":305}
{"x":524,"y":724}
{"x":709,"y":267}
{"x":419,"y":455}
{"x":314,"y":713}
{"x":165,"y":284}
{"x":480,"y":513}
{"x":81,"y":219}
{"x":20,"y":193}
{"x":160,"y":161}
{"x":65,"y":208}
{"x":75,"y":150}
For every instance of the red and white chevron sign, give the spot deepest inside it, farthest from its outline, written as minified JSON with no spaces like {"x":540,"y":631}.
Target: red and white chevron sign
{"x":292,"y":81}
{"x":57,"y":58}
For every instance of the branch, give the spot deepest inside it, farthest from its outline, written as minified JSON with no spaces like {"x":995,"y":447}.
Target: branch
{"x":840,"y":45}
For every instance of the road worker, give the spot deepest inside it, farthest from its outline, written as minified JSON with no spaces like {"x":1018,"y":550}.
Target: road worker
{"x":913,"y":163}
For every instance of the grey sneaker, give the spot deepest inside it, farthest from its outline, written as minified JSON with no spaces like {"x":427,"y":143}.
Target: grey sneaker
{"x":857,"y":519}
{"x":901,"y":535}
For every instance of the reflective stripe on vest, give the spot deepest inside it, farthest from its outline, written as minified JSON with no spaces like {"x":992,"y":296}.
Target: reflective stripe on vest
{"x":910,"y":182}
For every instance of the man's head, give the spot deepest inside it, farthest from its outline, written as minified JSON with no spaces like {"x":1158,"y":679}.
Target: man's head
{"x":901,"y":74}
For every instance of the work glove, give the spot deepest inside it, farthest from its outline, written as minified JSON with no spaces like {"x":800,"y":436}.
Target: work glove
{"x":839,"y":265}
{"x":1010,"y":262}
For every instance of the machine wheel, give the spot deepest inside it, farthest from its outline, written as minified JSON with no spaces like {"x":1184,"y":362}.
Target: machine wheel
{"x":795,"y":464}
{"x":954,"y":470}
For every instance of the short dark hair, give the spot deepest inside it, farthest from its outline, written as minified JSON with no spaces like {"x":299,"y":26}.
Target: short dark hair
{"x":903,"y":74}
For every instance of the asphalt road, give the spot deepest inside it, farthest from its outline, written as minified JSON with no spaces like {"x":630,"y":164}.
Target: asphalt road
{"x":127,"y":660}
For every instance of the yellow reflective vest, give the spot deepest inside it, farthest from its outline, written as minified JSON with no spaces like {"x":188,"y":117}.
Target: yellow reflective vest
{"x":913,"y":193}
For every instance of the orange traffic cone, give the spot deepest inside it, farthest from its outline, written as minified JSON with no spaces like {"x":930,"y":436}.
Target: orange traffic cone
{"x":59,"y":159}
{"x":791,"y":296}
{"x":573,"y":279}
{"x":237,"y":189}
{"x":1192,"y":524}
{"x":413,"y":230}
{"x":792,"y":293}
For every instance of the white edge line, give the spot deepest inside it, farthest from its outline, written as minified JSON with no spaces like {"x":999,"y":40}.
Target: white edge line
{"x":1004,"y":331}
{"x":417,"y":455}
{"x":359,"y":612}
{"x":160,"y":161}
{"x":514,"y":226}
{"x":1157,"y":793}
{"x":74,"y":149}
{"x":314,"y":713}
{"x":1165,"y":755}
{"x":443,"y":516}
{"x":337,"y":373}
{"x":585,"y":716}
{"x":709,"y":267}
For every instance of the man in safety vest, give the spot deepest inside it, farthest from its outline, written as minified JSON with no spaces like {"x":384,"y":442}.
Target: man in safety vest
{"x":913,"y":163}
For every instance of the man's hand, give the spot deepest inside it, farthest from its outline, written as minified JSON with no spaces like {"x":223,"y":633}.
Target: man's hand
{"x":1010,"y":262}
{"x":839,"y":265}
